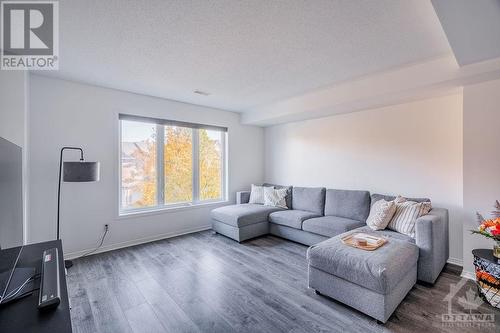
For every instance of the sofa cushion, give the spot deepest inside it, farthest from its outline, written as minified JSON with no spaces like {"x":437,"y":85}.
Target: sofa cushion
{"x":330,"y":225}
{"x":242,"y":215}
{"x":380,"y":270}
{"x":376,"y":197}
{"x":288,"y":198}
{"x":291,"y":218}
{"x":311,"y":199}
{"x":350,"y":204}
{"x":386,"y":233}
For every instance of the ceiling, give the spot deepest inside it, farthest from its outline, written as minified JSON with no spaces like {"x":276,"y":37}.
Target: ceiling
{"x":472,"y":27}
{"x":244,"y":53}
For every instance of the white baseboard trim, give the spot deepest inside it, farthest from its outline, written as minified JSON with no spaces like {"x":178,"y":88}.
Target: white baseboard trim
{"x":455,"y":261}
{"x":460,"y":262}
{"x":468,"y":275}
{"x":137,"y":241}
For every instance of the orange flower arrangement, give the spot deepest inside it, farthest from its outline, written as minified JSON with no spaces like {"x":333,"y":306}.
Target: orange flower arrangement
{"x":485,"y":276}
{"x":490,"y":228}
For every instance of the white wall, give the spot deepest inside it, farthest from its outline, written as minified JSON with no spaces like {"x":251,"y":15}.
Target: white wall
{"x":481,"y":161}
{"x":13,"y":108}
{"x":14,"y":119}
{"x":413,"y":149}
{"x":68,"y":113}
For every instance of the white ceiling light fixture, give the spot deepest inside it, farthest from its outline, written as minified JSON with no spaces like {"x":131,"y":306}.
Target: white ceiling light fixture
{"x":200,"y":92}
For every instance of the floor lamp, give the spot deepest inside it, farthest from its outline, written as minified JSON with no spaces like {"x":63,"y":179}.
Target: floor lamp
{"x":74,"y":172}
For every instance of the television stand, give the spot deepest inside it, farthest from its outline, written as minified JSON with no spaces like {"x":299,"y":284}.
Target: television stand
{"x":23,"y":315}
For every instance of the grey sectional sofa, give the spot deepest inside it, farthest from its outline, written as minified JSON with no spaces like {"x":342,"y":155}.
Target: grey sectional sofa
{"x":318,"y":214}
{"x":372,"y":282}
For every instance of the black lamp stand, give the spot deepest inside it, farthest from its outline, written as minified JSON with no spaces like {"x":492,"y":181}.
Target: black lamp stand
{"x":74,"y":172}
{"x":67,"y":263}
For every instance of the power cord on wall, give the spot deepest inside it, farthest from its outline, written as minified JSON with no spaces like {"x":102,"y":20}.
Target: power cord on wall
{"x":106,"y":229}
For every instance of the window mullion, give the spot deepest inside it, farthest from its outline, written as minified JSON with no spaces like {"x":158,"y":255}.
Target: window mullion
{"x":196,"y":165}
{"x":160,"y":167}
{"x":224,"y":166}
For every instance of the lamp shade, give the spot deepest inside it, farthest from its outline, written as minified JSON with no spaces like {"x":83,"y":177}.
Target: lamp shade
{"x":79,"y":172}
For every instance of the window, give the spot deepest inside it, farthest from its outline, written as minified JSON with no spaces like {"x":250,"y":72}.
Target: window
{"x":210,"y":164}
{"x":138,"y":164}
{"x":178,"y":164}
{"x":170,"y":164}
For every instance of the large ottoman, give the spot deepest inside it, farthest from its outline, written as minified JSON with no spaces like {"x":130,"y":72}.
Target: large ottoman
{"x":373,"y":282}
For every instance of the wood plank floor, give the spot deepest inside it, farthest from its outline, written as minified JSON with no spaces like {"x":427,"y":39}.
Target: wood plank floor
{"x":205,"y":282}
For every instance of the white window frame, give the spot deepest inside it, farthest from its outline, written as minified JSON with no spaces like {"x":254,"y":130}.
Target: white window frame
{"x":160,"y":180}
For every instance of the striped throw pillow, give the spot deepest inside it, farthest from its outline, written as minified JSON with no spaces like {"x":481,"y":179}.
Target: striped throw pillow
{"x":257,"y":194}
{"x":275,"y":197}
{"x":406,"y":215}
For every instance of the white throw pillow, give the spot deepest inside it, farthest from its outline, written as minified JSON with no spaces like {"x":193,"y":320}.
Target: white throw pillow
{"x":407,"y":213}
{"x":400,"y":199}
{"x":257,"y":194}
{"x":381,"y":214}
{"x":275,"y":197}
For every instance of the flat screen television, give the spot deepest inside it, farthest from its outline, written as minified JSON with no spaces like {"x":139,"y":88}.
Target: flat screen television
{"x":11,"y":194}
{"x":15,"y":281}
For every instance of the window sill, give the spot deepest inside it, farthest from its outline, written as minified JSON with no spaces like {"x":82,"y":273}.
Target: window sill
{"x":163,"y":210}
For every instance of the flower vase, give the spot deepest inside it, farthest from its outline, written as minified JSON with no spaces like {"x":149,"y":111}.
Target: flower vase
{"x":496,"y":250}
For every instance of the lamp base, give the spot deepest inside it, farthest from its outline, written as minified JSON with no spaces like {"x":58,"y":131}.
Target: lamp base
{"x":68,"y":263}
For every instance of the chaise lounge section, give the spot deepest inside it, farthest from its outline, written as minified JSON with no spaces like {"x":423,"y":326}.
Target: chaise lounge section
{"x":243,"y":221}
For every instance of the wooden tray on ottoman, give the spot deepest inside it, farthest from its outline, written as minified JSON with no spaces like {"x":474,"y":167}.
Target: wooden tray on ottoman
{"x":373,"y":242}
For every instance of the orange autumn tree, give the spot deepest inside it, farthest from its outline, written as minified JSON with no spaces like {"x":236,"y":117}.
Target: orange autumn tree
{"x":147,"y":157}
{"x":210,"y":167}
{"x":178,"y":164}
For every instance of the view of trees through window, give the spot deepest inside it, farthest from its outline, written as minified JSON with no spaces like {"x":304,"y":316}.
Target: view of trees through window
{"x":138,"y":163}
{"x":210,"y":164}
{"x":178,"y":164}
{"x":184,"y":163}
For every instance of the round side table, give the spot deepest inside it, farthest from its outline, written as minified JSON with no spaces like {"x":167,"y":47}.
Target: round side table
{"x":487,"y":269}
